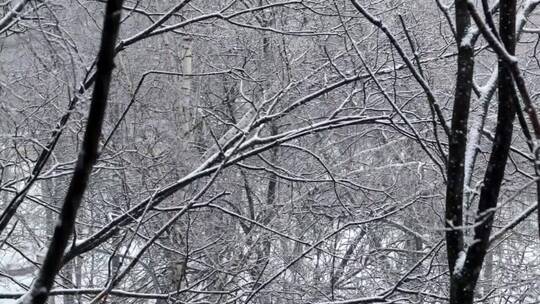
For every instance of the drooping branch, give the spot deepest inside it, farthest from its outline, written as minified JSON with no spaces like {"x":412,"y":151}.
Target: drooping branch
{"x":249,"y":148}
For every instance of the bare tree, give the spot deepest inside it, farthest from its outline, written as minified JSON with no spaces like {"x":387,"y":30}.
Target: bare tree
{"x":261,"y":151}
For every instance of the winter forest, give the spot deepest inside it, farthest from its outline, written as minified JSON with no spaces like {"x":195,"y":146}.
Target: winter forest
{"x":269,"y":151}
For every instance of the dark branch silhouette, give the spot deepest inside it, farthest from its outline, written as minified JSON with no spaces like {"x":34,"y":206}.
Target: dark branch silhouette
{"x":38,"y":294}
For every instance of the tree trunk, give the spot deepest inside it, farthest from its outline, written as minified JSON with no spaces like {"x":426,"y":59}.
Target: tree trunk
{"x":465,"y":275}
{"x":457,"y":145}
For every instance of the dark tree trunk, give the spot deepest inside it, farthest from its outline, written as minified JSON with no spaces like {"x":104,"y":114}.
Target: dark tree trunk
{"x":463,"y":282}
{"x":458,"y":140}
{"x":88,"y":154}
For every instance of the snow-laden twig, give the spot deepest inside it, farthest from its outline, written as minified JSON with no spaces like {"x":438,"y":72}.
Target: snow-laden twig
{"x":12,"y":14}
